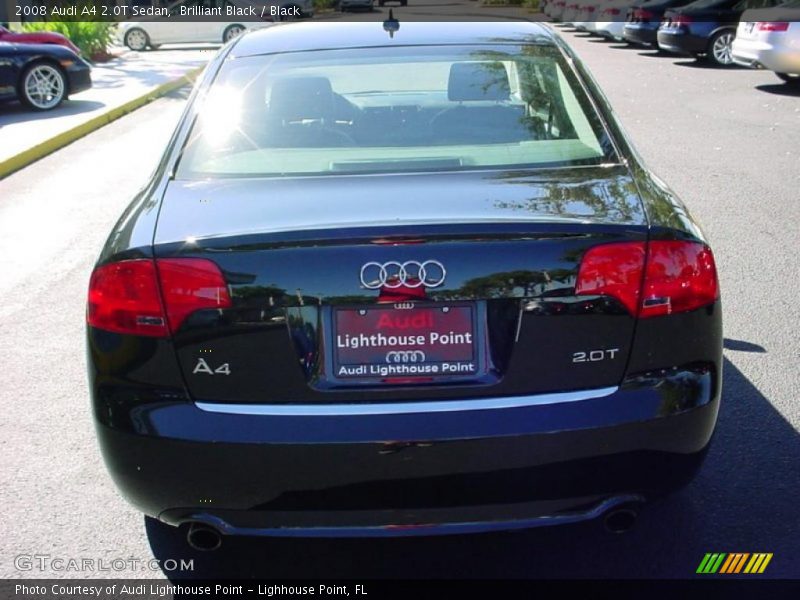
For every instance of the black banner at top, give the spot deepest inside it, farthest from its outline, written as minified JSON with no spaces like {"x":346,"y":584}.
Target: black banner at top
{"x":267,"y":10}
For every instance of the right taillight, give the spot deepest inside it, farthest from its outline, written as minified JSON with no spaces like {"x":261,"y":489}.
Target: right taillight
{"x":613,"y":270}
{"x":680,"y":276}
{"x":650,"y":279}
{"x":773,"y":26}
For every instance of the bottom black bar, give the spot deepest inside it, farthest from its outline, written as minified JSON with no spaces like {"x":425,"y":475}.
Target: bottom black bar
{"x":704,"y":587}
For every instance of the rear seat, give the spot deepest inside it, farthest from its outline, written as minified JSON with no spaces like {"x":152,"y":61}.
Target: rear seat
{"x":483,"y":114}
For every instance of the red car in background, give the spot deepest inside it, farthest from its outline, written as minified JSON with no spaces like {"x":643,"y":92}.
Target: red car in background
{"x":37,"y":37}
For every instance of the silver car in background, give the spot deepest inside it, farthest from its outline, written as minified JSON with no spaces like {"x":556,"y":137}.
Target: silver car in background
{"x":611,"y":19}
{"x":555,"y":8}
{"x":586,"y":18}
{"x":770,"y":39}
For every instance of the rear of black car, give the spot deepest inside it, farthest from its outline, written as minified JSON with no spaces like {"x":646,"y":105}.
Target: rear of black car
{"x":694,"y":29}
{"x":644,"y":20}
{"x":357,"y":315}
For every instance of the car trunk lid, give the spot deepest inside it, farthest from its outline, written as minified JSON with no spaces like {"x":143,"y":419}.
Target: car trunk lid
{"x":336,"y":279}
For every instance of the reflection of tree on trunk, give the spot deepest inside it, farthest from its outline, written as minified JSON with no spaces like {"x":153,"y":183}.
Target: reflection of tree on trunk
{"x":272,"y":295}
{"x":511,"y":284}
{"x":614,"y":201}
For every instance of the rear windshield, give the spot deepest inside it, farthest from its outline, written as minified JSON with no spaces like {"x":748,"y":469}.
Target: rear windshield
{"x":398,"y":109}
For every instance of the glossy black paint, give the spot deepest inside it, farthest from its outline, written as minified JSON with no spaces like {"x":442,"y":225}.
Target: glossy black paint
{"x":397,"y":481}
{"x":512,"y":242}
{"x":15,"y":58}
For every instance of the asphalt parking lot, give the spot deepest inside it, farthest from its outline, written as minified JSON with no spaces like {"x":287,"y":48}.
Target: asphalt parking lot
{"x":727,"y":141}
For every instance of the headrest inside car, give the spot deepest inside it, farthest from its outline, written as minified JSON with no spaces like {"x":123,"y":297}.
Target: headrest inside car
{"x":471,"y":81}
{"x":296,"y":98}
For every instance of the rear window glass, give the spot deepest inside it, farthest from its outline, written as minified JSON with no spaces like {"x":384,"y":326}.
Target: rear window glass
{"x":392,"y":110}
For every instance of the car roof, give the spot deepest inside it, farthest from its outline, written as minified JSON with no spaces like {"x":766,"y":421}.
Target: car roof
{"x":295,"y":37}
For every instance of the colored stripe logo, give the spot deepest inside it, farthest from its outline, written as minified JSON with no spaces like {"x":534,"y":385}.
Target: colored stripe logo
{"x":734,"y":562}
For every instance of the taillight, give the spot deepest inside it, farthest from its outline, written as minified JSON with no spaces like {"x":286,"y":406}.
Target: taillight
{"x":124,"y":296}
{"x":613,"y":270}
{"x":773,"y":26}
{"x":681,"y":20}
{"x":611,"y":11}
{"x":643,"y":14}
{"x":673,"y":277}
{"x":680,"y":276}
{"x":190,"y":284}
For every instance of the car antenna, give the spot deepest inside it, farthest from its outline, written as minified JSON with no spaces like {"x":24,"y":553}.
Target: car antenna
{"x":391,"y":25}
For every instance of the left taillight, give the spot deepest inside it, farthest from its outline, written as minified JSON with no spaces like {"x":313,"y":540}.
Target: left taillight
{"x":189,"y":285}
{"x":153,"y":297}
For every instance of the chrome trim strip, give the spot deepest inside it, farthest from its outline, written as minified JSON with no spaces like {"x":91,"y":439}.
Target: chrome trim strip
{"x":338,"y":410}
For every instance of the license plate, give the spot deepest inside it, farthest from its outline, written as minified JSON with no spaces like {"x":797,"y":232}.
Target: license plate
{"x":407,"y":341}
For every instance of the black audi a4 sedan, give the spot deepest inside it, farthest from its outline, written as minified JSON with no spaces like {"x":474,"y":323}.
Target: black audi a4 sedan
{"x":407,"y":285}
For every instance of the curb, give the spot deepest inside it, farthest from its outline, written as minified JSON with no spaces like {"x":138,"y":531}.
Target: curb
{"x":26,"y":157}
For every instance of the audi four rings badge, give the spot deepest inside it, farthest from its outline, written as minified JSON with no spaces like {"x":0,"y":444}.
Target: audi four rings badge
{"x":398,"y":356}
{"x":410,"y":274}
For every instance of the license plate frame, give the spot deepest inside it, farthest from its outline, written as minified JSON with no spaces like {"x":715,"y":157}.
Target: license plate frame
{"x":399,"y":361}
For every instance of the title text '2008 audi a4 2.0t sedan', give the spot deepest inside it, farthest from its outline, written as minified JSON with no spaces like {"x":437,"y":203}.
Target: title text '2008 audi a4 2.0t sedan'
{"x":401,"y":285}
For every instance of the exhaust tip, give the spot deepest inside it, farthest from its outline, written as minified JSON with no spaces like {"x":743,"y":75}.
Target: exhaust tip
{"x":203,"y":537}
{"x":620,"y":520}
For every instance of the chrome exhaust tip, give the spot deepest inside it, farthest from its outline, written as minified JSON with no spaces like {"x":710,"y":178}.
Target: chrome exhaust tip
{"x":203,"y":537}
{"x":620,"y":520}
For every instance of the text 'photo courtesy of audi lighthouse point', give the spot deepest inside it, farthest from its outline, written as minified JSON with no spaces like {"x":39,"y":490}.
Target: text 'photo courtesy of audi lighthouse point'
{"x":436,"y":234}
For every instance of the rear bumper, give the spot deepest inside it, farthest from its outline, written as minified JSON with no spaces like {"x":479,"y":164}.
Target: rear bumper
{"x":611,"y":29}
{"x":526,"y":462}
{"x":679,"y":42}
{"x":641,"y":33}
{"x":759,"y":54}
{"x":421,"y":523}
